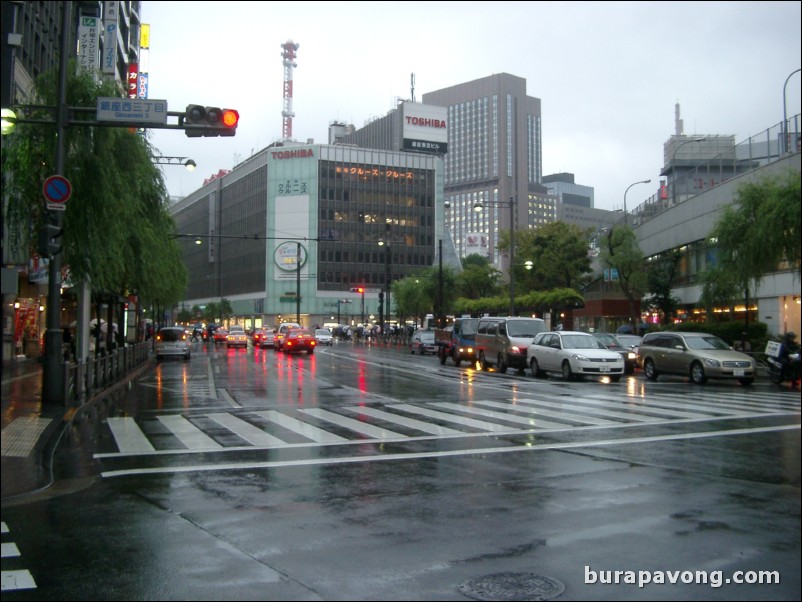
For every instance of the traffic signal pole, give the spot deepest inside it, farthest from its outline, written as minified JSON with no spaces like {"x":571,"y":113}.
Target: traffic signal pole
{"x":53,"y":368}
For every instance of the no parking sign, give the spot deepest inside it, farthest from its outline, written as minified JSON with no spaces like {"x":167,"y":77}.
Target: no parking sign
{"x":57,"y":191}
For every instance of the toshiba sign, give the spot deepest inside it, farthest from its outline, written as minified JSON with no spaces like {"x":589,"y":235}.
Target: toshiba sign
{"x":424,"y":128}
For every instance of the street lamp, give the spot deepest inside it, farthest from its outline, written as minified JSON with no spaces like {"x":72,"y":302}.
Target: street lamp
{"x":674,"y":166}
{"x":511,"y":204}
{"x":785,"y":116}
{"x":625,"y":197}
{"x":185,"y":161}
{"x":385,"y":301}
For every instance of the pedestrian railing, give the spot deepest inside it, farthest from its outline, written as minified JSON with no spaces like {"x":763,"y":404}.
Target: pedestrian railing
{"x":84,"y":379}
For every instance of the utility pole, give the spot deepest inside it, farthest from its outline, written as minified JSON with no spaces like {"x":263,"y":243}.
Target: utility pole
{"x":53,"y":368}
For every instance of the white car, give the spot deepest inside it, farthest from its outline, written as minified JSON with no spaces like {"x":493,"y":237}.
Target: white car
{"x":573,"y":354}
{"x":236,"y":337}
{"x":323,"y":336}
{"x":172,"y":341}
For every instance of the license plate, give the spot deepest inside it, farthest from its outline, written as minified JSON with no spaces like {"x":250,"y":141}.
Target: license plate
{"x":739,"y":372}
{"x":604,"y":369}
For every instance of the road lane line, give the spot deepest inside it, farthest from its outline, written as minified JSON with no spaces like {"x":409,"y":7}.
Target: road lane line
{"x":210,"y":374}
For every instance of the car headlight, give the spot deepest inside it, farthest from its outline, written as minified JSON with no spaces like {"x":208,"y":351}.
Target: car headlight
{"x":631,"y":355}
{"x":580,"y":357}
{"x":712,"y":363}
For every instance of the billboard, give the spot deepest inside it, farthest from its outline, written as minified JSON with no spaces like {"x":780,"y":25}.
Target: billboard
{"x":424,"y":128}
{"x":476,"y":243}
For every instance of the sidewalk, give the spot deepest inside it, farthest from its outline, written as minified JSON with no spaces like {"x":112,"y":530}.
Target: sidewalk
{"x":27,"y":427}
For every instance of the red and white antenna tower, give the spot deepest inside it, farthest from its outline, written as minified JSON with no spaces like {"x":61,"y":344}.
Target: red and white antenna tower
{"x":289,"y":64}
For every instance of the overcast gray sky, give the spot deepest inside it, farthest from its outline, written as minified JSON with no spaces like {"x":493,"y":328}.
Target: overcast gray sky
{"x":608,"y":73}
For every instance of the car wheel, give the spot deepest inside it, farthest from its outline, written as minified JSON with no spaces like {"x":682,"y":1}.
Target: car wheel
{"x":566,"y":369}
{"x":746,"y":381}
{"x":311,"y":351}
{"x":412,"y":350}
{"x":502,"y":365}
{"x":535,"y":368}
{"x":649,"y":370}
{"x":186,"y":356}
{"x":698,"y":374}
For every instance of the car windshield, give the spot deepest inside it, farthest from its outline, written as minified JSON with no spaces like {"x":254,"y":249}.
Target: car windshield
{"x":629,"y":340}
{"x":708,"y":342}
{"x":607,"y":339}
{"x":170,"y":335}
{"x":578,"y":341}
{"x":524,"y":328}
{"x":427,"y":336}
{"x":323,"y":331}
{"x":236,"y":330}
{"x":468,"y":327}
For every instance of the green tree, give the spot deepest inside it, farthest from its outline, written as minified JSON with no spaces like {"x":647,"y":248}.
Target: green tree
{"x":559,"y":256}
{"x":411,"y":298}
{"x":759,"y":233}
{"x":661,"y":277}
{"x":623,"y":254}
{"x":478,"y":278}
{"x":117,"y":230}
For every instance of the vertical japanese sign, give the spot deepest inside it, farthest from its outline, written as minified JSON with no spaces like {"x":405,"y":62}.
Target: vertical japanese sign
{"x":88,"y":43}
{"x":133,"y":80}
{"x":144,"y":59}
{"x":109,"y":62}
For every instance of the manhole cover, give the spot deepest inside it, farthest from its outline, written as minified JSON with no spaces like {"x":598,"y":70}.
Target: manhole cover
{"x":512,"y":586}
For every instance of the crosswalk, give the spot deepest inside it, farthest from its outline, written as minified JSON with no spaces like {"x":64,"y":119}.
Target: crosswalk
{"x":243,"y":429}
{"x":14,"y":575}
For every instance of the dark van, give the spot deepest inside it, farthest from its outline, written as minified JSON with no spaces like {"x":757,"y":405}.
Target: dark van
{"x":502,"y":342}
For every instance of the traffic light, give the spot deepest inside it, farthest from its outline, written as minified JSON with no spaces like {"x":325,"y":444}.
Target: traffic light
{"x":210,"y":121}
{"x":357,"y":289}
{"x":49,"y":240}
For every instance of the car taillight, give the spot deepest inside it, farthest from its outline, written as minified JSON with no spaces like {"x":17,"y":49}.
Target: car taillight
{"x":313,"y":343}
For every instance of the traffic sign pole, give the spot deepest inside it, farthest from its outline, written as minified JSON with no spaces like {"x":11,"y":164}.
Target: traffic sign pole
{"x":53,"y":368}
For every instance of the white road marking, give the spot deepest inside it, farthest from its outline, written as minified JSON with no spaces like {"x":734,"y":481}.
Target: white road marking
{"x":418,"y":425}
{"x":246,"y":430}
{"x":190,"y":435}
{"x":302,"y":428}
{"x":358,"y":426}
{"x":439,"y":454}
{"x":128,"y":436}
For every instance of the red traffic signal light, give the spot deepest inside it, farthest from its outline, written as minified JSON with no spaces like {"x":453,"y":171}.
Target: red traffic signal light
{"x":209,"y":121}
{"x":357,"y":289}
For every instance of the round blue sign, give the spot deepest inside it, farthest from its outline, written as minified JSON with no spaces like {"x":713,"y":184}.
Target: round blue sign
{"x":57,"y":189}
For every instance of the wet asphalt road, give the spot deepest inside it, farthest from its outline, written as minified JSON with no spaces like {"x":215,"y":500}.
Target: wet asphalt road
{"x":364,"y":473}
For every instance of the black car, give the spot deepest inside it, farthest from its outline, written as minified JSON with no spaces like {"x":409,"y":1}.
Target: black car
{"x":611,"y":342}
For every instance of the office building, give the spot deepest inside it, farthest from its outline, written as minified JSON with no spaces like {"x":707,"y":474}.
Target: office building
{"x":291,"y":231}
